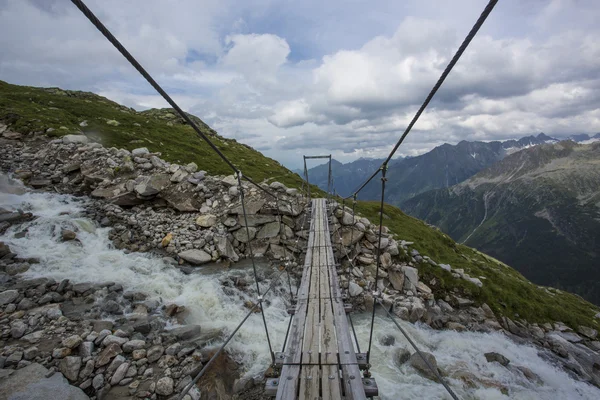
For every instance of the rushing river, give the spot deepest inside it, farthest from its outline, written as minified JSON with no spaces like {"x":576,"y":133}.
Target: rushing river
{"x":213,"y":307}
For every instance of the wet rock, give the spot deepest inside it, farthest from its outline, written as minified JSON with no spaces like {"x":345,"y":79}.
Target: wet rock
{"x":195,"y":257}
{"x":587,"y":332}
{"x":187,"y":332}
{"x":455,"y":326}
{"x":401,"y":356}
{"x":17,"y":268}
{"x":570,"y":336}
{"x":69,"y":366}
{"x":112,"y":307}
{"x":530,"y":375}
{"x":68,"y":235}
{"x":387,"y":340}
{"x":497,"y":357}
{"x":35,"y":383}
{"x":421,"y":366}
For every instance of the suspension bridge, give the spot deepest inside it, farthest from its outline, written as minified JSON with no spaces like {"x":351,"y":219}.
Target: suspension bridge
{"x":319,"y":359}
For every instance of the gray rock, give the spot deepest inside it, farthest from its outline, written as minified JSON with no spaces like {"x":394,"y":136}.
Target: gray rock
{"x":75,"y":139}
{"x":570,"y":336}
{"x":119,"y":374}
{"x":98,"y":381}
{"x":30,"y":353}
{"x":243,"y":235}
{"x":13,"y":359}
{"x":417,"y":363}
{"x":16,"y":268}
{"x":132,"y":345}
{"x":17,"y":329}
{"x":154,"y":353}
{"x":152,"y":185}
{"x":8,"y":296}
{"x":87,"y":370}
{"x":72,"y":341}
{"x":226,"y":249}
{"x":497,"y":357}
{"x":206,"y":220}
{"x":396,"y":279}
{"x":354,"y":289}
{"x":139,"y":151}
{"x":30,"y":383}
{"x":69,"y":366}
{"x":401,"y":355}
{"x":269,"y":230}
{"x":110,"y":339}
{"x":411,"y":278}
{"x":195,"y":256}
{"x":587,"y":332}
{"x":164,"y":386}
{"x":187,"y":332}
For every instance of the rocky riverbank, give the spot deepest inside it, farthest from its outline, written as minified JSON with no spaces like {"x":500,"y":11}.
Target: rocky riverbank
{"x":191,"y":218}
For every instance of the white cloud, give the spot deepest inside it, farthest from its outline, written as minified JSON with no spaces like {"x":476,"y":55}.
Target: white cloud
{"x":288,"y":78}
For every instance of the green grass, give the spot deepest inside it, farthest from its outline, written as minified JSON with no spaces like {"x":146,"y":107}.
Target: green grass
{"x":29,"y":109}
{"x":505,"y":290}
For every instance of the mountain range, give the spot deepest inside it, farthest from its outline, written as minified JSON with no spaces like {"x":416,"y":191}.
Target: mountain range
{"x":537,"y":210}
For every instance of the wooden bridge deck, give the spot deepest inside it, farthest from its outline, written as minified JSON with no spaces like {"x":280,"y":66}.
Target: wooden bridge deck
{"x":319,"y":360}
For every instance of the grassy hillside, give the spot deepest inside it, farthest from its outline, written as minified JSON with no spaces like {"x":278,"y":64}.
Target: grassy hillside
{"x":505,"y":290}
{"x":29,"y":109}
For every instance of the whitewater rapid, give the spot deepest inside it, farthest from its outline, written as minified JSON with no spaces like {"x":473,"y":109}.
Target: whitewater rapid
{"x":96,"y":260}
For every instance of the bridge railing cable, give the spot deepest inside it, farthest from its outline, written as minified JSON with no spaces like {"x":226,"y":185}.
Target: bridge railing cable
{"x":431,"y":367}
{"x":484,"y":15}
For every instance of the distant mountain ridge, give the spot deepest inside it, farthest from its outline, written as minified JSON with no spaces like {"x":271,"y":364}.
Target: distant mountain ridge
{"x":443,"y":166}
{"x":537,"y":209}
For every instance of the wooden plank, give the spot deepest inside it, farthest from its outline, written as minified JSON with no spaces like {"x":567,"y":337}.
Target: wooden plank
{"x":293,"y":350}
{"x":309,"y":382}
{"x":310,"y":346}
{"x":288,"y":382}
{"x":352,"y":383}
{"x":329,"y":347}
{"x":330,"y":383}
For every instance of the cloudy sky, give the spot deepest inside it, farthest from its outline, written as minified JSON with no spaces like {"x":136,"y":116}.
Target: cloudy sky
{"x":293,"y":77}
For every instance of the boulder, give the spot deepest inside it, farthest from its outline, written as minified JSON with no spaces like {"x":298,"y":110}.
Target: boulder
{"x":497,"y":357}
{"x":152,"y":185}
{"x":417,"y":362}
{"x":195,"y":256}
{"x":269,"y":230}
{"x":139,"y":151}
{"x":206,"y":220}
{"x":32,"y":383}
{"x":69,"y":366}
{"x":396,"y":279}
{"x":8,"y":296}
{"x":348,"y":235}
{"x":164,"y":386}
{"x":252,"y":207}
{"x":587,"y":332}
{"x":411,"y":278}
{"x":75,"y":139}
{"x":354,"y":289}
{"x":226,"y":249}
{"x":256,"y":219}
{"x":244,"y":236}
{"x":401,"y":355}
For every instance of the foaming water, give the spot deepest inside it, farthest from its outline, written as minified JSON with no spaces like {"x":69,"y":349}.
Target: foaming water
{"x":463,"y":351}
{"x":213,"y":307}
{"x":94,"y":259}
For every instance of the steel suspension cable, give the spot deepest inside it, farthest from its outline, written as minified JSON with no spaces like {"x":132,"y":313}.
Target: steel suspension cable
{"x":231,"y":335}
{"x":434,"y":370}
{"x":262,"y":311}
{"x":375,"y":292}
{"x":486,"y":12}
{"x":484,"y":15}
